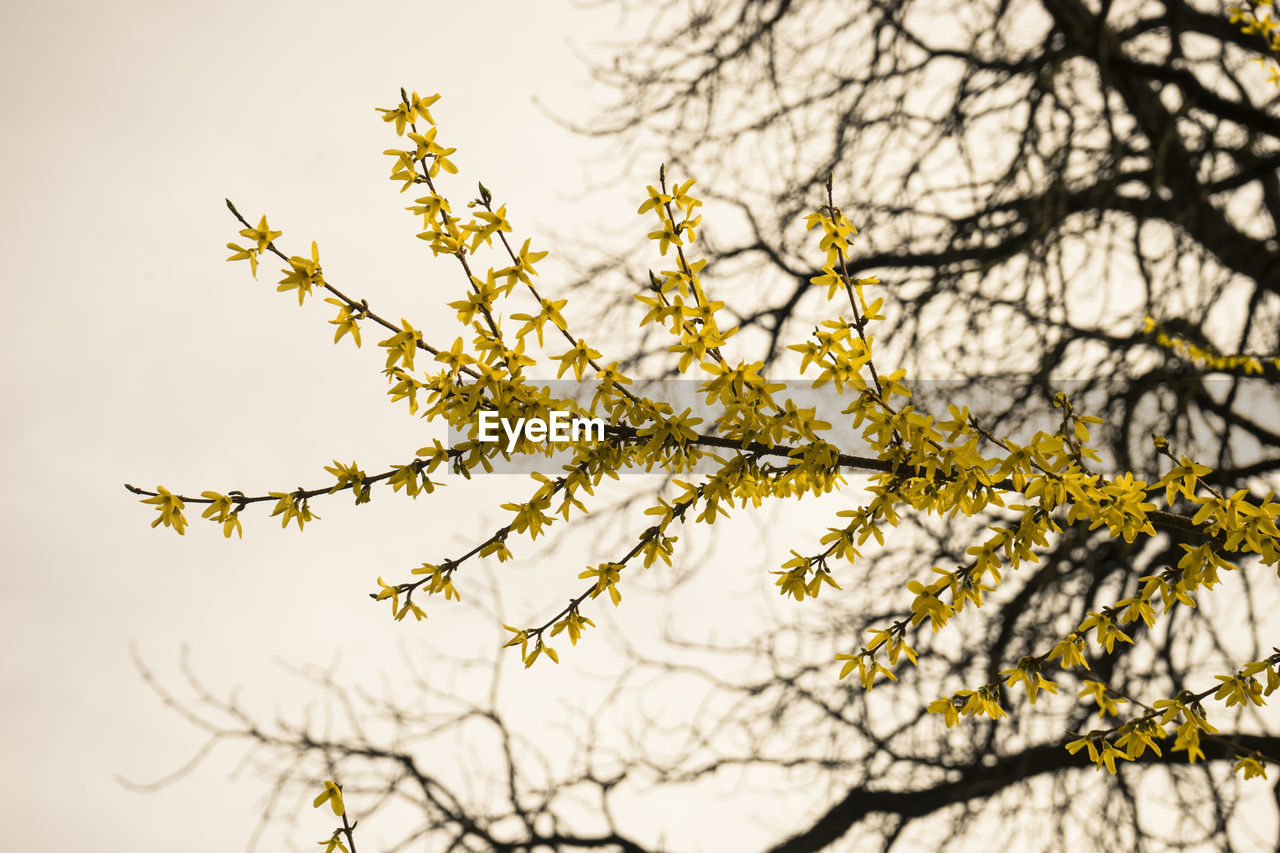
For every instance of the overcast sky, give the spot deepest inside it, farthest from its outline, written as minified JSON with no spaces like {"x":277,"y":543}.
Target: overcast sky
{"x":134,"y":353}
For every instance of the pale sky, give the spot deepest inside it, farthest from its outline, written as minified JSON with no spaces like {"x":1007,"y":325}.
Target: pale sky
{"x":135,"y":353}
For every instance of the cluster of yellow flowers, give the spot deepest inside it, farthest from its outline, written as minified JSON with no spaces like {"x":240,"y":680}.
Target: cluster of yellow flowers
{"x":1206,"y":360}
{"x":762,"y":446}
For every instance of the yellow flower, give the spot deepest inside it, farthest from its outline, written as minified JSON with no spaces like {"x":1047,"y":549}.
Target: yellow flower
{"x":262,"y":235}
{"x":1028,"y":672}
{"x":1107,"y":704}
{"x":655,"y":202}
{"x":573,"y":624}
{"x":302,"y":274}
{"x":170,"y":506}
{"x":1189,"y":739}
{"x":1104,"y":758}
{"x":334,"y":843}
{"x":242,"y":253}
{"x":1137,"y":736}
{"x":946,"y":707}
{"x":1238,"y":690}
{"x":1250,"y":766}
{"x":851,"y":662}
{"x":1070,"y":649}
{"x":332,"y":794}
{"x":927,"y":605}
